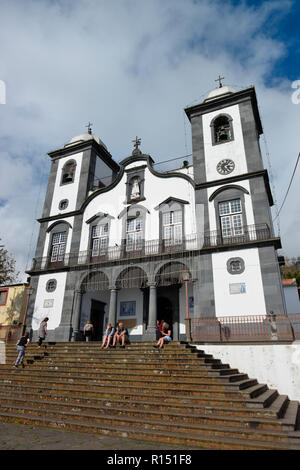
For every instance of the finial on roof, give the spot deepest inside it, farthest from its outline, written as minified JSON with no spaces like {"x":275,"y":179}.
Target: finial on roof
{"x":219,"y":79}
{"x":136,"y":150}
{"x":89,"y":127}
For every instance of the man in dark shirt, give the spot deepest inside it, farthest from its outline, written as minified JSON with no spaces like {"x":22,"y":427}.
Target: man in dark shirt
{"x":121,"y":335}
{"x":21,"y":346}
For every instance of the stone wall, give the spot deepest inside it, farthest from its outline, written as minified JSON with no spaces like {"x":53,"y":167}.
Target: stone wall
{"x":277,"y":365}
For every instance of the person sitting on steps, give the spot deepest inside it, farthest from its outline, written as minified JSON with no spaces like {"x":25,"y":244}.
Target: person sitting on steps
{"x":165,"y":336}
{"x":121,"y":336}
{"x":108,"y":336}
{"x":160,"y":325}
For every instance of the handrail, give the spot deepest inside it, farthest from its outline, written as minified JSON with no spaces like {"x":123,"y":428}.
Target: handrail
{"x":155,"y":247}
{"x":246,"y":328}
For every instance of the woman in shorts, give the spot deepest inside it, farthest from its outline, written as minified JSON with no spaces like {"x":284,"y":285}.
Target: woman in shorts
{"x":108,"y":336}
{"x":165,"y":336}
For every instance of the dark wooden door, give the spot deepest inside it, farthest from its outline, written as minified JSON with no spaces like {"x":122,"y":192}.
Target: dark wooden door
{"x":97,"y":316}
{"x":168,"y":307}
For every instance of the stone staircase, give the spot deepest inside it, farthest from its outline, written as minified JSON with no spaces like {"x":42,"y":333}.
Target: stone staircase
{"x":177,"y":395}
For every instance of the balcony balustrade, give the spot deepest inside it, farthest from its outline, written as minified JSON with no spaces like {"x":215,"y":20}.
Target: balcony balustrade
{"x":151,"y":248}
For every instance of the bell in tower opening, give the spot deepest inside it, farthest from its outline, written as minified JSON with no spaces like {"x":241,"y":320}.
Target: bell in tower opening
{"x":222,"y":129}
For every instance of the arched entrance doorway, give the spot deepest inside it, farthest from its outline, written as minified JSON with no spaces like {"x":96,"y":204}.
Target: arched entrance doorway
{"x":94,"y":301}
{"x":169,"y":281}
{"x":133,"y":296}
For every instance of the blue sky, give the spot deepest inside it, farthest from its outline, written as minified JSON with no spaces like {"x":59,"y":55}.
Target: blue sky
{"x":131,"y":67}
{"x":286,"y":29}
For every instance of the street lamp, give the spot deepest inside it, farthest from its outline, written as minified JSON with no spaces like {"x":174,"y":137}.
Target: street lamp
{"x":186,"y":278}
{"x":29,"y":292}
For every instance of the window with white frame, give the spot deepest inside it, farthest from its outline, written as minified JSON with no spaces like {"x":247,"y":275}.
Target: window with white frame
{"x":172,"y":227}
{"x":58,"y":248}
{"x":230,"y":213}
{"x":134,"y":234}
{"x":99,"y":239}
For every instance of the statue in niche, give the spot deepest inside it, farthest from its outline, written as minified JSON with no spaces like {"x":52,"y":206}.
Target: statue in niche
{"x":135,"y":189}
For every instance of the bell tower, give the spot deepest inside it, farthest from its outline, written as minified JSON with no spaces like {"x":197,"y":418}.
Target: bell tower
{"x":233,"y":196}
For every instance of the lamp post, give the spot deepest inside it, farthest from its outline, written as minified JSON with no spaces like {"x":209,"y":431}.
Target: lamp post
{"x":29,"y":292}
{"x":186,"y":278}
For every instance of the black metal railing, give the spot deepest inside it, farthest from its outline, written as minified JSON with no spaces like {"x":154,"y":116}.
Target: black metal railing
{"x":245,"y":234}
{"x":148,"y":248}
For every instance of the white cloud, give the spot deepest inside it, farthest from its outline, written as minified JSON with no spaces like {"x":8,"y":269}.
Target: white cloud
{"x":130,"y":67}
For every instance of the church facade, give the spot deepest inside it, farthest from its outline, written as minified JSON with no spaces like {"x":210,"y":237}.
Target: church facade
{"x":125,"y":242}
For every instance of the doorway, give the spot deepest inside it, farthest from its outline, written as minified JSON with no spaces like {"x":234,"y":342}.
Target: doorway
{"x":97,"y":317}
{"x":168,"y":308}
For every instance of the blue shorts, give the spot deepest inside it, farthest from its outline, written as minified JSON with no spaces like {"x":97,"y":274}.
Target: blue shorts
{"x":168,"y":338}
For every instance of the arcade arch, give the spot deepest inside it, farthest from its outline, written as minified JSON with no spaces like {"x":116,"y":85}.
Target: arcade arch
{"x":95,"y":298}
{"x":170,"y":295}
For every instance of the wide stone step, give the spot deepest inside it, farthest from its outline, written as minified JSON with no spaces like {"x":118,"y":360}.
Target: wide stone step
{"x":269,"y":438}
{"x":127,"y":375}
{"x":187,"y":407}
{"x":152,"y":374}
{"x":125,"y":393}
{"x":91,"y":344}
{"x":137,"y":363}
{"x":138,"y":369}
{"x":10,"y":404}
{"x":111,"y":350}
{"x":218,"y":388}
{"x":170,"y":437}
{"x":116,"y":355}
{"x":130,"y":361}
{"x":83,"y":347}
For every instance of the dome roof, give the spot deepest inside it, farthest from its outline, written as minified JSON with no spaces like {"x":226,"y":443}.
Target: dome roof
{"x":84,"y":138}
{"x":220,"y":91}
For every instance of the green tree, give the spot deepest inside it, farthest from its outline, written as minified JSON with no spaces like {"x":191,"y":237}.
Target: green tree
{"x":8,"y":272}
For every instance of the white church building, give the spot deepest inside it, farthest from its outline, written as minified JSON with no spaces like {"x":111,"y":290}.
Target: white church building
{"x":125,"y":242}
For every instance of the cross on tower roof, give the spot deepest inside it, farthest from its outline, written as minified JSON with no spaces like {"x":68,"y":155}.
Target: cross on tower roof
{"x":219,"y":80}
{"x":89,"y":127}
{"x":137,"y":142}
{"x":136,"y":150}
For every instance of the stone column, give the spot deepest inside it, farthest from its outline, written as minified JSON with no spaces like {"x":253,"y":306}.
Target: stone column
{"x":150,"y":334}
{"x":77,"y":312}
{"x":112,"y":315}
